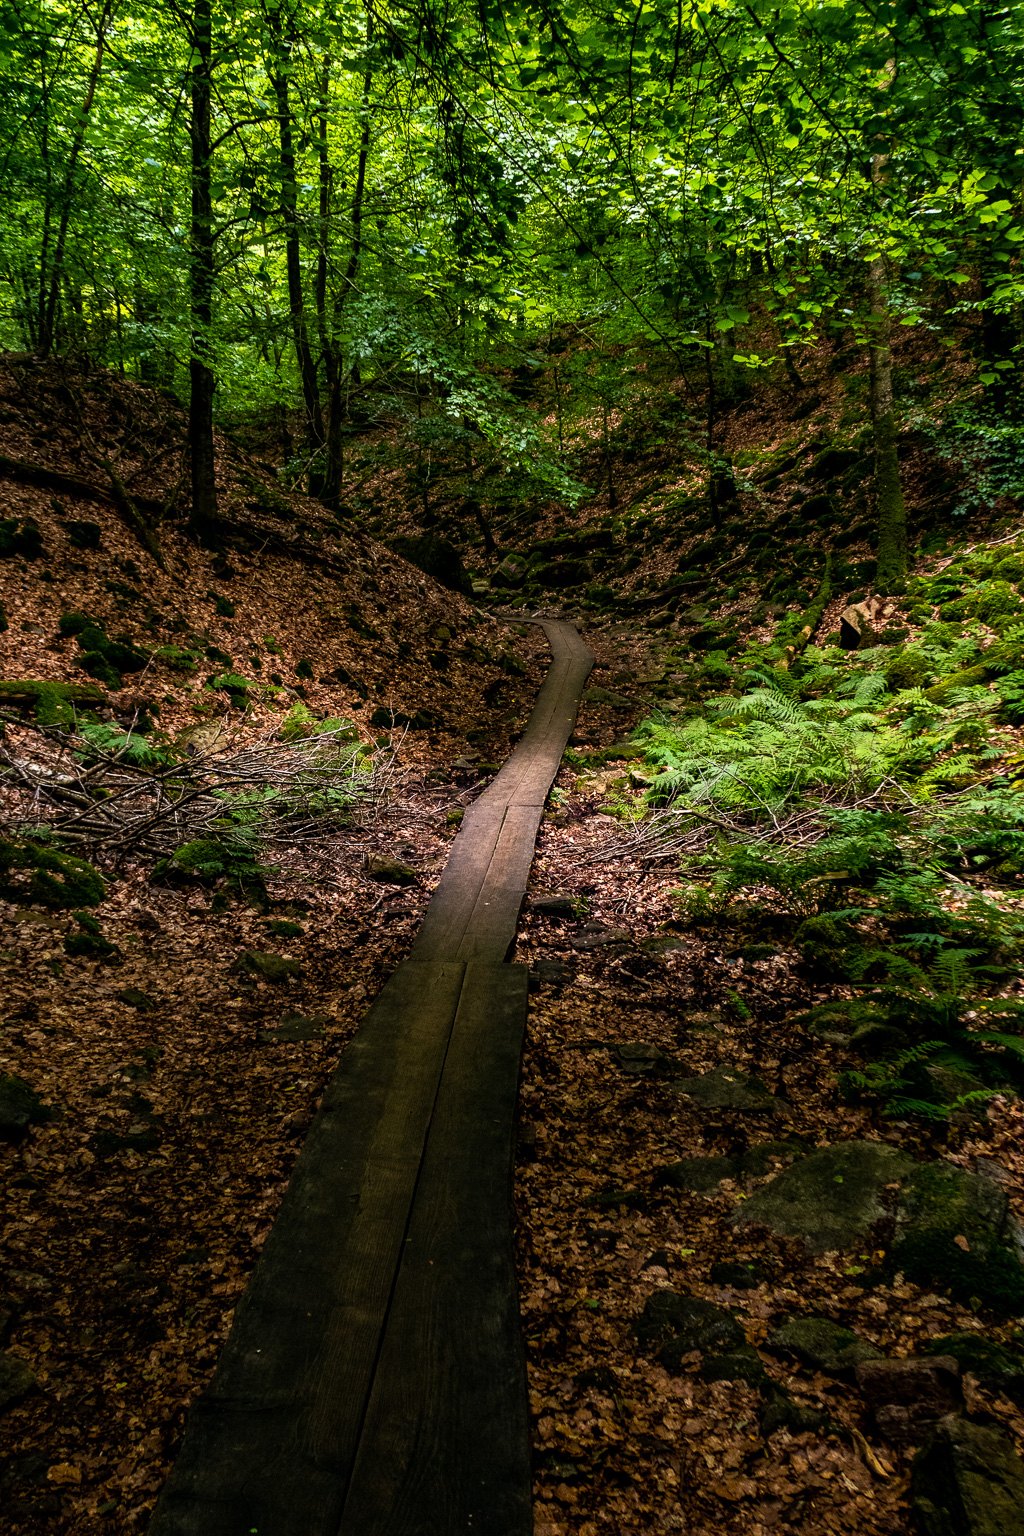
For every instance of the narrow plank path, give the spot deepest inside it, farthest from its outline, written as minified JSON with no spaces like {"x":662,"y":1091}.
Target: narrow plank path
{"x":373,"y":1382}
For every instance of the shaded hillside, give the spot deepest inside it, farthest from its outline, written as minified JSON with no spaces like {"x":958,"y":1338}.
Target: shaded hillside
{"x":294,"y":604}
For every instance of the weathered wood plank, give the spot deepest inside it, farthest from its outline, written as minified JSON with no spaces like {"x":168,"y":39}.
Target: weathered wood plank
{"x":445,"y":1446}
{"x":458,"y":903}
{"x":271,"y":1443}
{"x":380,"y":1328}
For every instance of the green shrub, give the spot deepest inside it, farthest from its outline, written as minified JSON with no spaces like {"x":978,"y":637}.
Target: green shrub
{"x":209,"y":860}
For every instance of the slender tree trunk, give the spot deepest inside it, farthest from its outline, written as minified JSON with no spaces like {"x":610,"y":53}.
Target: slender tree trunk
{"x":279,"y":73}
{"x":337,"y":405}
{"x":203,"y":521}
{"x":892,"y":510}
{"x":49,"y":314}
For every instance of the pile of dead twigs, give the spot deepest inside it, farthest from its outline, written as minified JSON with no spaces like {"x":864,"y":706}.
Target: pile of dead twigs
{"x":133,"y":801}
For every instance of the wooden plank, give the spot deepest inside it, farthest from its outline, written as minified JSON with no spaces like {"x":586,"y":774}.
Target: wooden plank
{"x":459,"y":905}
{"x":346,"y":1342}
{"x":491,"y":929}
{"x":270,"y":1444}
{"x":445,"y":1448}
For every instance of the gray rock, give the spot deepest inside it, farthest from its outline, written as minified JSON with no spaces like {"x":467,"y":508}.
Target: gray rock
{"x":728,"y":1088}
{"x":822,"y":1345}
{"x":548,"y":973}
{"x":267,"y":967}
{"x":20,"y":1107}
{"x":390,"y":871}
{"x":910,"y":1398}
{"x":831,"y":1198}
{"x":600,"y":938}
{"x":995,"y":1367}
{"x":606,"y":697}
{"x":699,"y":1175}
{"x":640,"y":1060}
{"x":16,"y":1380}
{"x":553,"y":905}
{"x":967,"y":1481}
{"x":295,"y":1027}
{"x":692,"y":1324}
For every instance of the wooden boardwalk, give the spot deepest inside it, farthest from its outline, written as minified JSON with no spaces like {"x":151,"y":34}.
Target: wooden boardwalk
{"x":373,"y":1382}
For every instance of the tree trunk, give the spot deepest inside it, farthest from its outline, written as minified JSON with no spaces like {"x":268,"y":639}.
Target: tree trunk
{"x":279,"y":72}
{"x":892,"y":510}
{"x":203,"y":521}
{"x":47,"y":329}
{"x":337,"y":405}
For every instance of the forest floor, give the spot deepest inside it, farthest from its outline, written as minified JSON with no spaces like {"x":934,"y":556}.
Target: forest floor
{"x":136,"y":1212}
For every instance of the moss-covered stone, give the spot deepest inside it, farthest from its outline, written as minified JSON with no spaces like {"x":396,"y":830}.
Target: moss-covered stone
{"x":954,"y":1233}
{"x":273,"y":968}
{"x":996,"y":1367}
{"x":30,"y":872}
{"x":822,"y":1345}
{"x":51,"y":703}
{"x":967,"y":1481}
{"x":831,"y":1198}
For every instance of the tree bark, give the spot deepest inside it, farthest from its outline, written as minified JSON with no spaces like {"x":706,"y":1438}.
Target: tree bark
{"x":48,"y":320}
{"x":335,"y":363}
{"x":892,"y":510}
{"x":279,"y":74}
{"x":203,"y":521}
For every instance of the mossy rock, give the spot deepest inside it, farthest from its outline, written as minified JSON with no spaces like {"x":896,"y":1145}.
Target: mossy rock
{"x":206,"y":860}
{"x":437,"y":558}
{"x":267,"y":967}
{"x":942,"y":1207}
{"x":970,"y":677}
{"x":830,"y":1199}
{"x":83,"y":534}
{"x":997,"y":1368}
{"x":1010,"y":568}
{"x":20,"y":537}
{"x":967,"y":1481}
{"x":906,"y":671}
{"x":32,"y":872}
{"x":822,"y":1345}
{"x":52,"y":703}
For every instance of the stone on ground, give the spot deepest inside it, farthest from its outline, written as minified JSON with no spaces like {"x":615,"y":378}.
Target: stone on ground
{"x":294,"y":1028}
{"x":831,"y":1198}
{"x":910,"y":1398}
{"x":728,"y":1088}
{"x":16,"y":1380}
{"x":390,"y":871}
{"x":822,"y":1345}
{"x":267,"y":967}
{"x":967,"y":1481}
